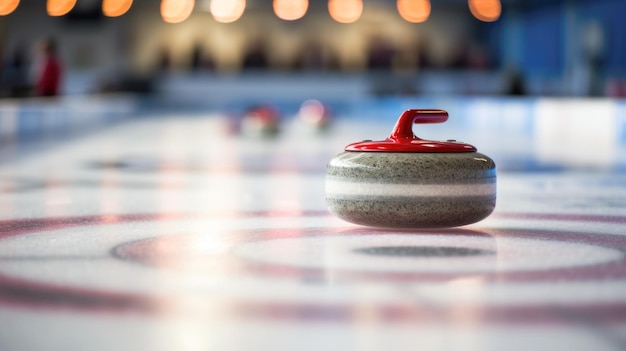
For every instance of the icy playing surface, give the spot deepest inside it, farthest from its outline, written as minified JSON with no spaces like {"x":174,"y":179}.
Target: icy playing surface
{"x":174,"y":234}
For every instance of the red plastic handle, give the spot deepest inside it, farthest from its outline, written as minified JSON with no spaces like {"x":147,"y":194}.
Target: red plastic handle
{"x":403,"y":131}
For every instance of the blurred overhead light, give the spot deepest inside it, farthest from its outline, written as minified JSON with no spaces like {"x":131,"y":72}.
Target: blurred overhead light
{"x":415,"y":11}
{"x":114,"y":8}
{"x":176,"y":11}
{"x":345,"y":11}
{"x":8,"y":6}
{"x":290,"y":10}
{"x":227,"y":11}
{"x":59,"y":7}
{"x":485,"y":10}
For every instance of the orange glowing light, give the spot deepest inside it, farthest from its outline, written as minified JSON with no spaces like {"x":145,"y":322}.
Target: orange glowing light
{"x":115,"y":8}
{"x":345,"y":11}
{"x":414,"y":11}
{"x":59,"y":7}
{"x":485,"y":10}
{"x":8,"y":6}
{"x":227,"y":11}
{"x":290,"y":10}
{"x":176,"y":11}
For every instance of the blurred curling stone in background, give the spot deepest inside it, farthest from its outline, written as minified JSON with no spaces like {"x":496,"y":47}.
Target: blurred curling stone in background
{"x":261,"y":121}
{"x":314,"y":116}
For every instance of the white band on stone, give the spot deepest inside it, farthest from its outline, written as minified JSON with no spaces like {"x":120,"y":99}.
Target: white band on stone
{"x":346,"y":188}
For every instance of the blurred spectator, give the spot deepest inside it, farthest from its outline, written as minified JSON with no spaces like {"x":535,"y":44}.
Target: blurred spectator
{"x":15,"y":74}
{"x":460,"y":57}
{"x":255,"y":58}
{"x":423,"y":54}
{"x":49,"y":78}
{"x":380,"y":55}
{"x":164,"y":61}
{"x":593,"y":50}
{"x":316,"y":57}
{"x":200,"y":60}
{"x":196,"y":58}
{"x":311,"y":57}
{"x":515,"y":82}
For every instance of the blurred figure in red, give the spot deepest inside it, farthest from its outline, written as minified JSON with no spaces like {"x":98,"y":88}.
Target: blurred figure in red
{"x":49,"y":78}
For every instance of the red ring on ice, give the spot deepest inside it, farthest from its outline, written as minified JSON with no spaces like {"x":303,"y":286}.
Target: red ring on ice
{"x":31,"y":294}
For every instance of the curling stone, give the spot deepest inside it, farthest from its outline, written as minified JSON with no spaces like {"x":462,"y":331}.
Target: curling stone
{"x":407,"y":182}
{"x":315,"y":115}
{"x":260,"y":121}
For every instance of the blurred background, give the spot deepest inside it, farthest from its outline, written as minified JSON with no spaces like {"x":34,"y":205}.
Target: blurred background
{"x":400,"y":47}
{"x":507,"y":65}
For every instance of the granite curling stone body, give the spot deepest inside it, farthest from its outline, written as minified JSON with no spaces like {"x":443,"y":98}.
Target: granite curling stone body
{"x":407,"y":182}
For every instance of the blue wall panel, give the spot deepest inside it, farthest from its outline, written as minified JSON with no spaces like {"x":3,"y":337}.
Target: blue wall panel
{"x":543,"y":40}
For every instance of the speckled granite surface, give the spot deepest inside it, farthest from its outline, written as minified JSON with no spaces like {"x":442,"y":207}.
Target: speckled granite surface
{"x":411,"y":190}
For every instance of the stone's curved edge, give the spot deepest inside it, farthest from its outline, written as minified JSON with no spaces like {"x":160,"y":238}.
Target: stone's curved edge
{"x":413,"y":214}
